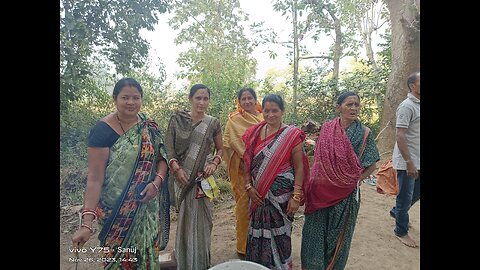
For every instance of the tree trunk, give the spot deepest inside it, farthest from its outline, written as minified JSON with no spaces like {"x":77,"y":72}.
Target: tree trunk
{"x":337,"y":53}
{"x":367,"y":40}
{"x":405,"y":19}
{"x":295,"y":58}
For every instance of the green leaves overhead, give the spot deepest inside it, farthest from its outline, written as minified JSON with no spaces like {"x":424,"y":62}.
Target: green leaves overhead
{"x":220,"y":53}
{"x":110,"y":28}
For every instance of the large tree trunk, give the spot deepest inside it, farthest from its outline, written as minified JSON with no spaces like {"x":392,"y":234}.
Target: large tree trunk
{"x":405,"y":18}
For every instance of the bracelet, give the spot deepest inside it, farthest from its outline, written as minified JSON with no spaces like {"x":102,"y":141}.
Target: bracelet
{"x":219,"y":158}
{"x":158,"y":190}
{"x":299,"y":186}
{"x":248,"y":186}
{"x":296,"y":198}
{"x":407,"y":161}
{"x":90,"y":213}
{"x":171,"y":161}
{"x":88,"y":227}
{"x":161,"y":177}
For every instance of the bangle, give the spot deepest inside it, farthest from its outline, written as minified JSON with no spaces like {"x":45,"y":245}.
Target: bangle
{"x":90,"y":213}
{"x":297,"y":198}
{"x":299,"y":186}
{"x":407,"y":161}
{"x":86,"y":226}
{"x":171,"y":161}
{"x":158,"y":190}
{"x":248,"y":186}
{"x":219,"y":158}
{"x":161,"y":177}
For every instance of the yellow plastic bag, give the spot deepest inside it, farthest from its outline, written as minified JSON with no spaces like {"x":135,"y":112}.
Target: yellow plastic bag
{"x":210,"y":188}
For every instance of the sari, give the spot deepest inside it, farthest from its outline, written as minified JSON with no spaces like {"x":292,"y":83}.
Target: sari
{"x":332,"y":193}
{"x":133,"y":233}
{"x":192,"y":145}
{"x":270,"y":164}
{"x":234,"y":147}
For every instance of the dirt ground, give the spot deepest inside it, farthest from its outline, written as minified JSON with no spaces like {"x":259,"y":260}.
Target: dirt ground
{"x":374,"y":245}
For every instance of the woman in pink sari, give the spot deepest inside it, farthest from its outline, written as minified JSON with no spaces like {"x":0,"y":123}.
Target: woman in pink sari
{"x":275,"y":168}
{"x":344,"y":155}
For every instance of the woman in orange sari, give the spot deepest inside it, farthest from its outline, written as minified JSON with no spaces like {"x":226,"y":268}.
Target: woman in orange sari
{"x":248,"y":113}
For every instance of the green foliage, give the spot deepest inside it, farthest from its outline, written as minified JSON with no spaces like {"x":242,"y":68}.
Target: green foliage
{"x":109,"y":28}
{"x":93,"y":43}
{"x":371,"y":89}
{"x":220,"y":55}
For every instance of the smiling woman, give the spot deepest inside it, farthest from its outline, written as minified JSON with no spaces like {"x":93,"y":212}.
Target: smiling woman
{"x":275,"y":167}
{"x":191,"y":135}
{"x":248,"y":113}
{"x":126,"y":188}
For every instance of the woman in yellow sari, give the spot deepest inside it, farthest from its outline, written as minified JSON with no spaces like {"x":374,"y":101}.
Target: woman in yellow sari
{"x":248,"y":113}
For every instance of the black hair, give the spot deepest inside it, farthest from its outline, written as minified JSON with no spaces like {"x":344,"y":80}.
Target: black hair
{"x":126,"y":82}
{"x":344,"y":95}
{"x":412,"y":79}
{"x":273,"y":98}
{"x":197,"y":87}
{"x":249,"y":90}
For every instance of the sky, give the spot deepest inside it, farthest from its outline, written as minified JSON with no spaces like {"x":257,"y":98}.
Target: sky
{"x":163,"y":46}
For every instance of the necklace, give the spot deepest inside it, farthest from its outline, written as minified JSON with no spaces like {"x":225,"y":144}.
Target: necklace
{"x":266,"y":128}
{"x":124,"y":133}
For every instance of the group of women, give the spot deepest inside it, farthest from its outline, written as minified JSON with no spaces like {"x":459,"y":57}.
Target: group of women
{"x":133,"y":175}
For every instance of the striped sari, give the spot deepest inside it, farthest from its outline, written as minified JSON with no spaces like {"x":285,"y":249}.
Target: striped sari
{"x":192,"y":146}
{"x":133,"y":232}
{"x":270,"y":164}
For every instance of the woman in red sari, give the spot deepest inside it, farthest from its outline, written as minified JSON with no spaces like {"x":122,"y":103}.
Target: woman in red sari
{"x":275,"y":168}
{"x":344,"y":155}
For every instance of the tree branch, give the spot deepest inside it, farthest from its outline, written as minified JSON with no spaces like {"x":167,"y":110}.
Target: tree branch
{"x":316,"y":56}
{"x":388,"y":123}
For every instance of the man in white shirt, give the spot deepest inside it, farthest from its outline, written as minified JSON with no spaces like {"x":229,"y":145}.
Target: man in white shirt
{"x":406,"y":158}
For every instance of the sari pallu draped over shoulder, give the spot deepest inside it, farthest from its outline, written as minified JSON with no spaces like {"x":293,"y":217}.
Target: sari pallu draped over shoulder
{"x":277,"y":156}
{"x":239,"y":121}
{"x":194,"y":144}
{"x":236,"y":126}
{"x":337,"y":168}
{"x":234,"y":146}
{"x":134,"y":232}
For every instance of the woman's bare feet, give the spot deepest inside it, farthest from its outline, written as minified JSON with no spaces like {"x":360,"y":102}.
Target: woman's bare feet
{"x":407,"y":240}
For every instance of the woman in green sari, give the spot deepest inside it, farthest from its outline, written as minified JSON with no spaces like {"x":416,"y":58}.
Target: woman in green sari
{"x":126,"y":188}
{"x":190,"y":138}
{"x":345,"y":154}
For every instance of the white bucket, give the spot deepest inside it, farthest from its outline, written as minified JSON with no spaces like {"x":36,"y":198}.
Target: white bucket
{"x":238,"y":265}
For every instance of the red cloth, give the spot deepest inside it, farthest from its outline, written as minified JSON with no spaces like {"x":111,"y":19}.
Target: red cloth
{"x":387,"y":179}
{"x":336,"y":169}
{"x":281,"y":159}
